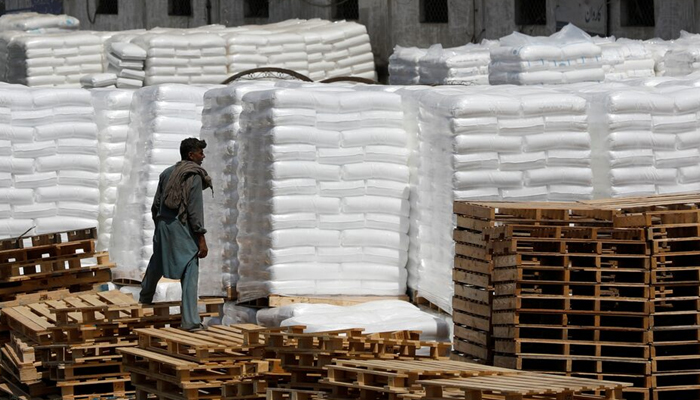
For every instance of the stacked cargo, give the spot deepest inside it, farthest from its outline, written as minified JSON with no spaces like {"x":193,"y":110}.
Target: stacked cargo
{"x":323,"y":189}
{"x":602,"y":289}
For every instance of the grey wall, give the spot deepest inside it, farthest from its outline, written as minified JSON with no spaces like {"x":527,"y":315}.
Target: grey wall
{"x":131,"y":15}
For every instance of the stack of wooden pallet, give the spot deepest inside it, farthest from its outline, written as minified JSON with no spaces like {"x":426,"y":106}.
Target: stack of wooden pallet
{"x":305,"y":355}
{"x":51,"y":261}
{"x":220,"y":362}
{"x":396,"y":379}
{"x":607,"y":290}
{"x":68,"y":347}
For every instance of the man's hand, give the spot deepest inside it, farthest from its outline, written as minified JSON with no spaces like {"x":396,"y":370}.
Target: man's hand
{"x":203,"y":249}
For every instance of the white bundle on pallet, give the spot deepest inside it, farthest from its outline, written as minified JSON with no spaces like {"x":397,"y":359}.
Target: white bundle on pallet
{"x":112,"y":118}
{"x":373,"y":316}
{"x":403,"y":65}
{"x":323,"y":193}
{"x":345,"y":50}
{"x":38,"y":23}
{"x":160,"y":118}
{"x":625,"y":59}
{"x":49,"y":167}
{"x":568,"y":56}
{"x":221,"y":212}
{"x":465,"y":65}
{"x":683,"y":55}
{"x":58,"y":59}
{"x":183,"y":57}
{"x":488,"y":143}
{"x":645,"y":141}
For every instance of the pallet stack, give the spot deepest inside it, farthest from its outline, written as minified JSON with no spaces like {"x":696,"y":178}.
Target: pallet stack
{"x":473,"y":287}
{"x":673,"y":234}
{"x":604,"y":290}
{"x":305,"y":355}
{"x":394,"y":379}
{"x":67,"y":348}
{"x":220,"y":362}
{"x":62,"y":260}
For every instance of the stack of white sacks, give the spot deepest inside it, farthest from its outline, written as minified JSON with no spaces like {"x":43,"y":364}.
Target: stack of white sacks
{"x":112,"y":119}
{"x":568,"y":56}
{"x":323,"y":193}
{"x":183,"y":57}
{"x":49,"y":167}
{"x":465,"y":65}
{"x":160,"y":118}
{"x":260,"y":48}
{"x":403,"y":65}
{"x":127,"y":62}
{"x":220,"y":128}
{"x":58,"y":59}
{"x":626,"y":59}
{"x":645,"y":140}
{"x":338,"y":49}
{"x":488,"y":143}
{"x":38,"y":23}
{"x":316,"y":48}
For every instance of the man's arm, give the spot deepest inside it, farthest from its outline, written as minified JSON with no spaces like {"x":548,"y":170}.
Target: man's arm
{"x":195,"y":215}
{"x":157,"y":199}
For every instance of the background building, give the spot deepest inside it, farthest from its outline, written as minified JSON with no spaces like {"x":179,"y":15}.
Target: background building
{"x":395,"y":22}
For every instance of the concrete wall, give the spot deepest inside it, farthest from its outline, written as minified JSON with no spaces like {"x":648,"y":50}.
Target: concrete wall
{"x":671,"y":16}
{"x":131,"y":15}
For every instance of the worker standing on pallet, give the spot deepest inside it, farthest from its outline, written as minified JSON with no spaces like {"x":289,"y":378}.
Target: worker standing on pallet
{"x":178,"y":241}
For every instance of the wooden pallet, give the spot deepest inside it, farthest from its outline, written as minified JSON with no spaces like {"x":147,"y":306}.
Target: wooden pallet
{"x":397,"y":377}
{"x":243,"y":390}
{"x":178,"y":371}
{"x":90,"y":317}
{"x":294,"y":394}
{"x":240,"y":342}
{"x":519,"y":387}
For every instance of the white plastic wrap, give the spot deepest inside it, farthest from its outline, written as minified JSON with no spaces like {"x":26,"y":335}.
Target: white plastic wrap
{"x":160,"y":118}
{"x":375,"y":316}
{"x":294,"y":214}
{"x":111,"y":115}
{"x":567,"y":56}
{"x":48,"y":170}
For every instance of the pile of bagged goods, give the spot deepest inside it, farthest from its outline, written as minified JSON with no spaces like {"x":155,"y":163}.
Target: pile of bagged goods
{"x":328,"y":190}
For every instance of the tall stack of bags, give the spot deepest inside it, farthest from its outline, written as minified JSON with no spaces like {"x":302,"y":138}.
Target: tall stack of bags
{"x":567,"y":56}
{"x":488,"y":143}
{"x":58,"y":59}
{"x":646,"y":140}
{"x":323,"y":193}
{"x":403,"y":65}
{"x":183,"y":57}
{"x":160,"y":118}
{"x":38,"y":23}
{"x":626,"y":59}
{"x":49,"y":167}
{"x":112,"y":119}
{"x":220,"y":128}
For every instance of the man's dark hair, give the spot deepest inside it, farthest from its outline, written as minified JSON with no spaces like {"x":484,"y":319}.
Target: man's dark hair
{"x":191,"y":144}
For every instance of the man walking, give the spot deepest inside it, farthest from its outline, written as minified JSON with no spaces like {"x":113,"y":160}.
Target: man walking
{"x":178,"y":241}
